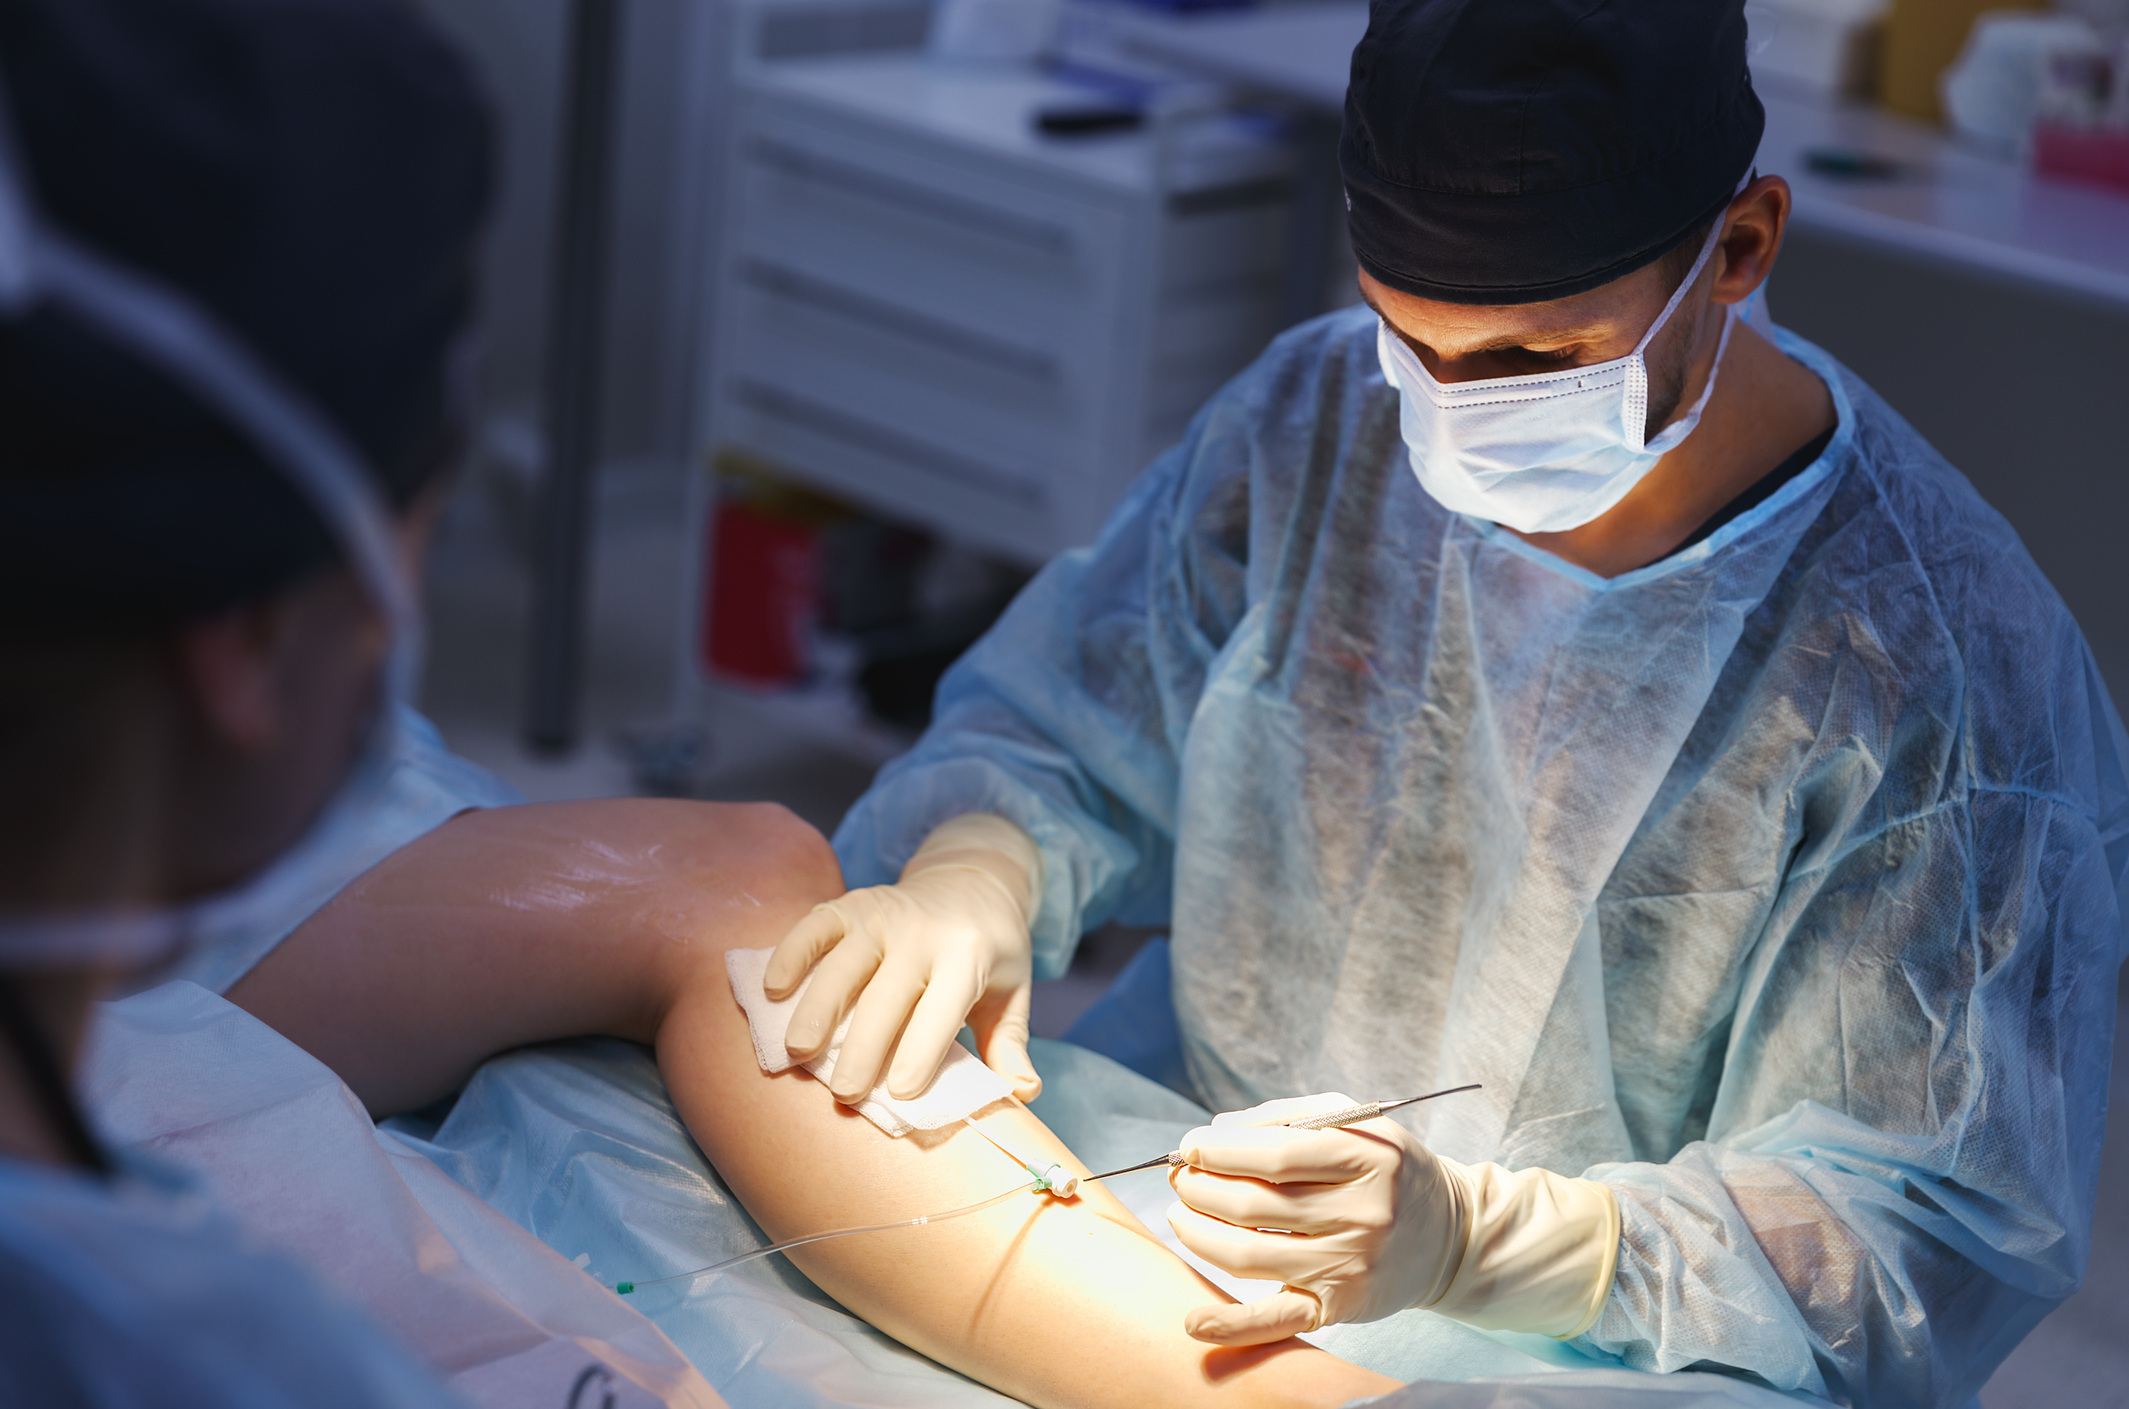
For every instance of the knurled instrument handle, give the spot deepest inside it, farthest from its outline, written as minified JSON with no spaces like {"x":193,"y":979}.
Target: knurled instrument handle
{"x":1331,"y":1119}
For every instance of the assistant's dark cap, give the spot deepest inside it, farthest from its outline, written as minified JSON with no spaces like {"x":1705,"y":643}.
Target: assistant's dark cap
{"x":314,"y":174}
{"x":1510,"y":151}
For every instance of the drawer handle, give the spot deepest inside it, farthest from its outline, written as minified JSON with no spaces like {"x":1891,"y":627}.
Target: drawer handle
{"x":868,"y":435}
{"x":934,"y":205}
{"x":862,"y":308}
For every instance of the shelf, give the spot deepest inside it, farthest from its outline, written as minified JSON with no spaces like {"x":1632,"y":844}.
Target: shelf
{"x":1957,"y":207}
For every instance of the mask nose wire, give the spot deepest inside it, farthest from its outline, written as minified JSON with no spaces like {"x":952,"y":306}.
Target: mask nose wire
{"x":173,"y":334}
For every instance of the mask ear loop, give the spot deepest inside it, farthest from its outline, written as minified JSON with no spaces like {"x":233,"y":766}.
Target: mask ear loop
{"x":1637,"y":370}
{"x":1700,"y":262}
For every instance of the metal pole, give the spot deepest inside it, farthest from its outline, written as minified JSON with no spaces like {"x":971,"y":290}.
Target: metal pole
{"x":576,"y":320}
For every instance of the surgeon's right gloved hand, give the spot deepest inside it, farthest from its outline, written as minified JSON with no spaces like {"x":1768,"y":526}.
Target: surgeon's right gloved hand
{"x":1366,"y":1221}
{"x":947,"y":943}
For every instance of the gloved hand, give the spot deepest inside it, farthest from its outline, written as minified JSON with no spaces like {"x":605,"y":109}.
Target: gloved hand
{"x":946,"y":943}
{"x":1373,"y":1222}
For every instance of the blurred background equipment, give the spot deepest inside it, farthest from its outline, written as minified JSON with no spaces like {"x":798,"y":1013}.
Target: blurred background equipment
{"x":804,"y":593}
{"x":563,"y":526}
{"x":1833,"y":48}
{"x":932,"y":307}
{"x":1922,"y":37}
{"x":964,"y":298}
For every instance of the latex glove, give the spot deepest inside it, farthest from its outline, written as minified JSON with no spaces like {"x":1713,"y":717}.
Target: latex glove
{"x":946,"y":944}
{"x":1372,"y":1222}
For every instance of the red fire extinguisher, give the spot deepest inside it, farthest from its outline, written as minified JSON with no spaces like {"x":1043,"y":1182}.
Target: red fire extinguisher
{"x":765,"y":594}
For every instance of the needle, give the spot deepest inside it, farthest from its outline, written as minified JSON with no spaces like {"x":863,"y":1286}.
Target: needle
{"x":1330,"y":1120}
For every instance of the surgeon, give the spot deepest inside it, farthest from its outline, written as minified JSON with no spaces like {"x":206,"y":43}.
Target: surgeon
{"x":1556,"y":677}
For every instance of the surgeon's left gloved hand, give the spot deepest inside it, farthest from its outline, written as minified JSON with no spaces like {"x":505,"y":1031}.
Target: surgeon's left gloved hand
{"x":1371,"y":1223}
{"x":947,"y":943}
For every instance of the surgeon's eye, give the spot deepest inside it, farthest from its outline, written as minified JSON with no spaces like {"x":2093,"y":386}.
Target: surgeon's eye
{"x":1542,"y":359}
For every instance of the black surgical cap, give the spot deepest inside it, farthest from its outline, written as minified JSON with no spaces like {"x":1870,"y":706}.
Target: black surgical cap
{"x":313,"y":173}
{"x":1510,"y":151}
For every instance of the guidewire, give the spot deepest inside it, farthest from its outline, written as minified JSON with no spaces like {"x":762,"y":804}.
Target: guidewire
{"x":1047,"y":1180}
{"x":624,"y":1288}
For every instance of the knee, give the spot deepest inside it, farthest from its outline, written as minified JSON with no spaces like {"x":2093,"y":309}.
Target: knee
{"x":781,"y":859}
{"x":793,"y":851}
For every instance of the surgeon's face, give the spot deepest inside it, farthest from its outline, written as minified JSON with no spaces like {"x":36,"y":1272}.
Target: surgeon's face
{"x":1472,"y":342}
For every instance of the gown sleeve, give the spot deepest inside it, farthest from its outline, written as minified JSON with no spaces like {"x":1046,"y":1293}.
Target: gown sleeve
{"x":1068,"y":717}
{"x":1900,"y":1168}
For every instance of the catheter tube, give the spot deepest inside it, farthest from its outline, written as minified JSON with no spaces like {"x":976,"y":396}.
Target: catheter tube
{"x":625,"y":1288}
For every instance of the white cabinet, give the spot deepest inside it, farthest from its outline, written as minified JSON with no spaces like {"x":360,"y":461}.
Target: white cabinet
{"x":929,"y":308}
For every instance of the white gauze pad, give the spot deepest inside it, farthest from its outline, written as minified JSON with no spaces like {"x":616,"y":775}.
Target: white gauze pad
{"x":960,"y":1087}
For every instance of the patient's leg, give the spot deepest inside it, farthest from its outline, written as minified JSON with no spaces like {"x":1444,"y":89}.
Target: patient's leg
{"x":529,"y":923}
{"x":1051,"y":1301}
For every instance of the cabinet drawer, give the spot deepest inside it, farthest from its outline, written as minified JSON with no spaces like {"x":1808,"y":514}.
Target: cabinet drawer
{"x":899,"y":219}
{"x":847,"y":451}
{"x":794,"y":326}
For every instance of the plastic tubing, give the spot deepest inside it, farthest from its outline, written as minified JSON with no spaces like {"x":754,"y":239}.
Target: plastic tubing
{"x":624,"y":1288}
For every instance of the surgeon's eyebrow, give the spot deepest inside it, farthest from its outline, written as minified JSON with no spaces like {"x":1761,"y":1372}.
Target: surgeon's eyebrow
{"x":1510,"y":342}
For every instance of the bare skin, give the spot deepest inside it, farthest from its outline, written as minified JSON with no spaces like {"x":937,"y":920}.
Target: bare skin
{"x":613,"y":917}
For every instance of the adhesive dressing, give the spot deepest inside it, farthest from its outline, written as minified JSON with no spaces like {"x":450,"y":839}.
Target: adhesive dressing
{"x":767,"y":1021}
{"x":960,"y":1087}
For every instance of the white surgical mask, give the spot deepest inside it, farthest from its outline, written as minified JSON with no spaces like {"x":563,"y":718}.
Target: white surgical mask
{"x":1544,"y":452}
{"x":42,"y":265}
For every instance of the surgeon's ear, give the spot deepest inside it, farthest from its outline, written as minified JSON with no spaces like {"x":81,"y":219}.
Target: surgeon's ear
{"x":1751,"y":239}
{"x":291,"y":668}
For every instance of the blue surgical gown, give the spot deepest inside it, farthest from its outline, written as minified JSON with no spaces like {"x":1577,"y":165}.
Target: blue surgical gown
{"x":133,"y":1293}
{"x":1778,"y":884}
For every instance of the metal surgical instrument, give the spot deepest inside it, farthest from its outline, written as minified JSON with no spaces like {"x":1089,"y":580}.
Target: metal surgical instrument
{"x":1329,"y":1120}
{"x":1049,"y":1179}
